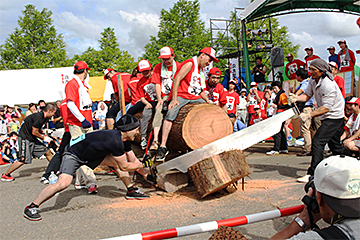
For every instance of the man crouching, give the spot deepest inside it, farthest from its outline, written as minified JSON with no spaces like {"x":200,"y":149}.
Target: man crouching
{"x":107,"y":147}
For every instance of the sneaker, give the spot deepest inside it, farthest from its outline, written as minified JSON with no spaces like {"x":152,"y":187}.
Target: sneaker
{"x":92,"y":189}
{"x":135,"y":193}
{"x":143,"y":143}
{"x":162,"y":153}
{"x":272,"y":152}
{"x":303,"y":154}
{"x":44,"y":180}
{"x":304,"y":179}
{"x":7,"y":178}
{"x":32,"y":214}
{"x":78,"y":187}
{"x":283,"y":151}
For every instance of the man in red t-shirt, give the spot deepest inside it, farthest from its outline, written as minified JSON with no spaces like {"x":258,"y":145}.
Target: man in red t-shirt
{"x":346,"y":57}
{"x":258,"y":116}
{"x":163,"y":77}
{"x":110,"y":74}
{"x":189,"y":83}
{"x":147,"y":94}
{"x":230,"y":99}
{"x":78,"y":101}
{"x":310,"y":57}
{"x":253,"y":98}
{"x":339,"y":80}
{"x":214,"y":90}
{"x":292,"y":66}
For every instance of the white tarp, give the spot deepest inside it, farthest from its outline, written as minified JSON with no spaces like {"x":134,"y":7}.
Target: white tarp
{"x":31,"y":85}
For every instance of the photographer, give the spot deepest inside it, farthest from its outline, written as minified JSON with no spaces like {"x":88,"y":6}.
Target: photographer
{"x":335,"y":193}
{"x":253,"y":98}
{"x":259,"y":71}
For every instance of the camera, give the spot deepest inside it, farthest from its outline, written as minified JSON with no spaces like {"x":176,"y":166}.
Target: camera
{"x":311,"y":202}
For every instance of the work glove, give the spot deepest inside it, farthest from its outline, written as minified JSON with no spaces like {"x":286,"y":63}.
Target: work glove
{"x":147,"y":161}
{"x":86,"y":124}
{"x":152,"y":178}
{"x":46,"y":140}
{"x":304,"y":116}
{"x":293,"y":98}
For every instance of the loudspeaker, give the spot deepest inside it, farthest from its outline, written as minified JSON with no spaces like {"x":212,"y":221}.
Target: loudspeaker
{"x":277,"y":57}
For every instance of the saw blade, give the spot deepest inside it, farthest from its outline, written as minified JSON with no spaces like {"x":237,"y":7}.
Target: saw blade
{"x":237,"y":141}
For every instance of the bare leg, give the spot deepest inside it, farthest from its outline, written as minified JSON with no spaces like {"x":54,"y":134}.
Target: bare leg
{"x":14,"y":166}
{"x":110,"y":123}
{"x":62,"y":183}
{"x":49,"y":155}
{"x":165,"y":133}
{"x":156,"y":133}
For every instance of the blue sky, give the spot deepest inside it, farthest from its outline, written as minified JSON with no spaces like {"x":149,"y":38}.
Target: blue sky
{"x":81,"y":23}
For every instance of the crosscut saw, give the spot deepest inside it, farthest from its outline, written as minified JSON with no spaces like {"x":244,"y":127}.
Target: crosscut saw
{"x":240,"y":140}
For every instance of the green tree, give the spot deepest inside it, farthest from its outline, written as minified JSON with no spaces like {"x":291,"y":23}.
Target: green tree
{"x":280,"y":38}
{"x":108,"y":56}
{"x":181,"y":29}
{"x":34,"y":44}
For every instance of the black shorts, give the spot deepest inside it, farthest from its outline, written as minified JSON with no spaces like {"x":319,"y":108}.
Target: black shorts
{"x":113,"y":111}
{"x":70,"y":163}
{"x":28,"y":149}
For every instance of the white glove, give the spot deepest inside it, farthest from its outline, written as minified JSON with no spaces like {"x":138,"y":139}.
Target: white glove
{"x":47,"y":139}
{"x":304,"y":116}
{"x":293,"y":98}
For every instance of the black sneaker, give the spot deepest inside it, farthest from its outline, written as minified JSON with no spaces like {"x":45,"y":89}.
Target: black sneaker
{"x":162,"y":153}
{"x":135,"y":193}
{"x":32,"y":214}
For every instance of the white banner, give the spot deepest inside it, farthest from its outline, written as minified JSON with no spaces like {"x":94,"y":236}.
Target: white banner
{"x":234,"y":68}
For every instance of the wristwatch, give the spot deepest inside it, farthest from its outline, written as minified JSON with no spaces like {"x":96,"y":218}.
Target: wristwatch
{"x":301,"y":223}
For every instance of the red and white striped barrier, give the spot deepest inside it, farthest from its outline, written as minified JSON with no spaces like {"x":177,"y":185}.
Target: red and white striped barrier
{"x":212,"y":226}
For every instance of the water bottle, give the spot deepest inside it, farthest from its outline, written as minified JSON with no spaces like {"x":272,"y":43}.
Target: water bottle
{"x":52,"y":178}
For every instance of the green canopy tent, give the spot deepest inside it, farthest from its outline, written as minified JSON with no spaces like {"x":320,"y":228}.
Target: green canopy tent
{"x":269,"y":8}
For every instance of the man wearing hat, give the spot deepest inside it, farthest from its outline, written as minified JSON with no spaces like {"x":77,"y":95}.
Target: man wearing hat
{"x":214,"y":90}
{"x":112,"y":75}
{"x":163,"y":77}
{"x":351,"y":135}
{"x":309,"y":57}
{"x":107,"y":147}
{"x":333,"y":56}
{"x":337,"y":195}
{"x":330,"y":109}
{"x":258,"y":116}
{"x":339,"y":80}
{"x":346,"y":57}
{"x":292,"y":66}
{"x":188,"y":87}
{"x":79,"y":114}
{"x":254,"y":97}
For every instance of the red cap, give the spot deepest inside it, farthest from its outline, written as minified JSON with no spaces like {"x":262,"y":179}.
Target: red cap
{"x":253,"y":84}
{"x":144,"y":65}
{"x":215,"y":71}
{"x":341,"y":41}
{"x":309,"y":48}
{"x":81,"y":65}
{"x":106,"y":72}
{"x":333,"y":64}
{"x":331,"y":48}
{"x":211,"y":52}
{"x":289,"y":55}
{"x":232,"y":81}
{"x":166,"y":52}
{"x":354,"y":100}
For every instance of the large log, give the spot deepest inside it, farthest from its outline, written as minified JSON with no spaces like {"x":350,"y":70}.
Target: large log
{"x":217,"y":172}
{"x":197,"y":125}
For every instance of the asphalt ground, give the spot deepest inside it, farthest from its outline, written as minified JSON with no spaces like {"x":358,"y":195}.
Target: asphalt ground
{"x":74,"y":214}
